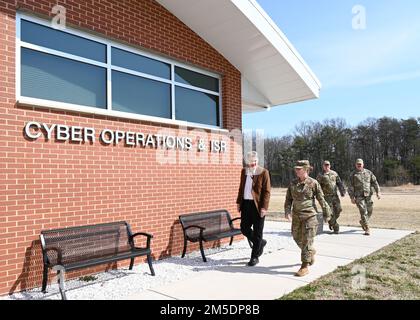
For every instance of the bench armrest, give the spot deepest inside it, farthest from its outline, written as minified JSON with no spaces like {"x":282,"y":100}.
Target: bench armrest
{"x":194,"y":226}
{"x":142,"y":234}
{"x":59,"y":255}
{"x":231,"y":221}
{"x":148,"y":235}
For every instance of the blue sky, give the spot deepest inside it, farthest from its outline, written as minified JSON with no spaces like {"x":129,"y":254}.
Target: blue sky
{"x":372,"y":72}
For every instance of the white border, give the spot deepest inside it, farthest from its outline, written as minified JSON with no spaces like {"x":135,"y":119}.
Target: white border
{"x":108,"y":111}
{"x":108,"y":79}
{"x":111,"y":113}
{"x":172,"y":93}
{"x":17,"y":58}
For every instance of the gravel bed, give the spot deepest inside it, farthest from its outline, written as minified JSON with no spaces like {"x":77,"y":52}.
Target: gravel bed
{"x":122,"y":283}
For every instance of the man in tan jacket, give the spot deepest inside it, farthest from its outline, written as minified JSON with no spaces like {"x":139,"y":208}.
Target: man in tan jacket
{"x":253,"y":199}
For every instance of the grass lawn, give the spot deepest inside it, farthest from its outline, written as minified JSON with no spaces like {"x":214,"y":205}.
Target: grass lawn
{"x":397,"y":209}
{"x":390,"y":273}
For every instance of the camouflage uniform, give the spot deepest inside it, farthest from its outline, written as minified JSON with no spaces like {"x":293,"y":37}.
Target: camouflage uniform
{"x":330,"y":182}
{"x":360,"y":188}
{"x":299,"y":202}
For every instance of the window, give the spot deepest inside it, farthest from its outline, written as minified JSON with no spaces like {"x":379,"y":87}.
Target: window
{"x":140,"y":95}
{"x":196,"y":79}
{"x":196,"y":106}
{"x":49,"y":77}
{"x":139,"y":63}
{"x":62,"y":41}
{"x":85,"y":72}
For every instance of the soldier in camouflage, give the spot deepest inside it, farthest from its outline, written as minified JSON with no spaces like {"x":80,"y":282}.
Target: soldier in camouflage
{"x":360,"y":191}
{"x":330,"y":182}
{"x":299,"y":204}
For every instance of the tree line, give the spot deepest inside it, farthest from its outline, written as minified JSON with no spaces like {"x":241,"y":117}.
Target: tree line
{"x":389,"y":147}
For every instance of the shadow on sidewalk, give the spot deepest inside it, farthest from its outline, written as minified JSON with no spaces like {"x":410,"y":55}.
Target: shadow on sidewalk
{"x":272,"y":270}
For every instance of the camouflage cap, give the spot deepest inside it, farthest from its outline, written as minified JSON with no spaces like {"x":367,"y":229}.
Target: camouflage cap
{"x":327,"y":162}
{"x":302,"y":164}
{"x":359,"y":161}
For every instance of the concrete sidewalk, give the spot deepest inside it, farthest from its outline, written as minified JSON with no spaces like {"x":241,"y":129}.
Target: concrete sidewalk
{"x":274,"y":275}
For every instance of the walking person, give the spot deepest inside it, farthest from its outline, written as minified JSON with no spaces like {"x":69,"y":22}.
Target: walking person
{"x":253,"y":200}
{"x":330,"y":183}
{"x":360,"y":191}
{"x":299,"y":204}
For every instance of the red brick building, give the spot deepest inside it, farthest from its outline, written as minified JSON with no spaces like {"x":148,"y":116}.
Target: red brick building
{"x":102,"y":107}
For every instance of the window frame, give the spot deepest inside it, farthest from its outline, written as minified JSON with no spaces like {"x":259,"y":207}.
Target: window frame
{"x":108,"y":111}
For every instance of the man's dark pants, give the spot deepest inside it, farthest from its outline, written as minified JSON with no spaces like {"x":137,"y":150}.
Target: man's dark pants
{"x":250,"y":217}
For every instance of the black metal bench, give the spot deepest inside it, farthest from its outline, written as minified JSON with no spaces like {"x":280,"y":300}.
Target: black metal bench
{"x":207,"y":226}
{"x":86,"y":246}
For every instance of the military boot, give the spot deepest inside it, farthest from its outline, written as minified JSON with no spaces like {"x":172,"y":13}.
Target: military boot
{"x":303,"y":271}
{"x":336,"y":228}
{"x":367,"y":231}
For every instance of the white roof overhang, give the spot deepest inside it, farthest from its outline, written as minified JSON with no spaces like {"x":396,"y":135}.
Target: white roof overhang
{"x":273,"y":72}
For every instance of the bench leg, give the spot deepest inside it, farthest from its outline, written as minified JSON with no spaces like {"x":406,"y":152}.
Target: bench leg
{"x":131,"y":264}
{"x":185,"y":248}
{"x":60,"y":275}
{"x":231,"y":240}
{"x":44,"y":279}
{"x":149,"y":261}
{"x":202,"y":251}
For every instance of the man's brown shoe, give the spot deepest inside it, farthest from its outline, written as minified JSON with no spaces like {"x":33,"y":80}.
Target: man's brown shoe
{"x":303,"y":271}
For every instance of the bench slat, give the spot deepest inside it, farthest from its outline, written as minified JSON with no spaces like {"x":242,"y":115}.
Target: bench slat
{"x":107,"y":259}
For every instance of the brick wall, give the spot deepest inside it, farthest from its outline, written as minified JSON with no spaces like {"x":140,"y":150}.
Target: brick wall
{"x":49,"y":184}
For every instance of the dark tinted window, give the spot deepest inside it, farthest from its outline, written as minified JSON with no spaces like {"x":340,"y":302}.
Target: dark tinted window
{"x":45,"y":76}
{"x":58,"y":40}
{"x":196,"y":79}
{"x":195,"y":106}
{"x":139,"y":63}
{"x":140,"y":95}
